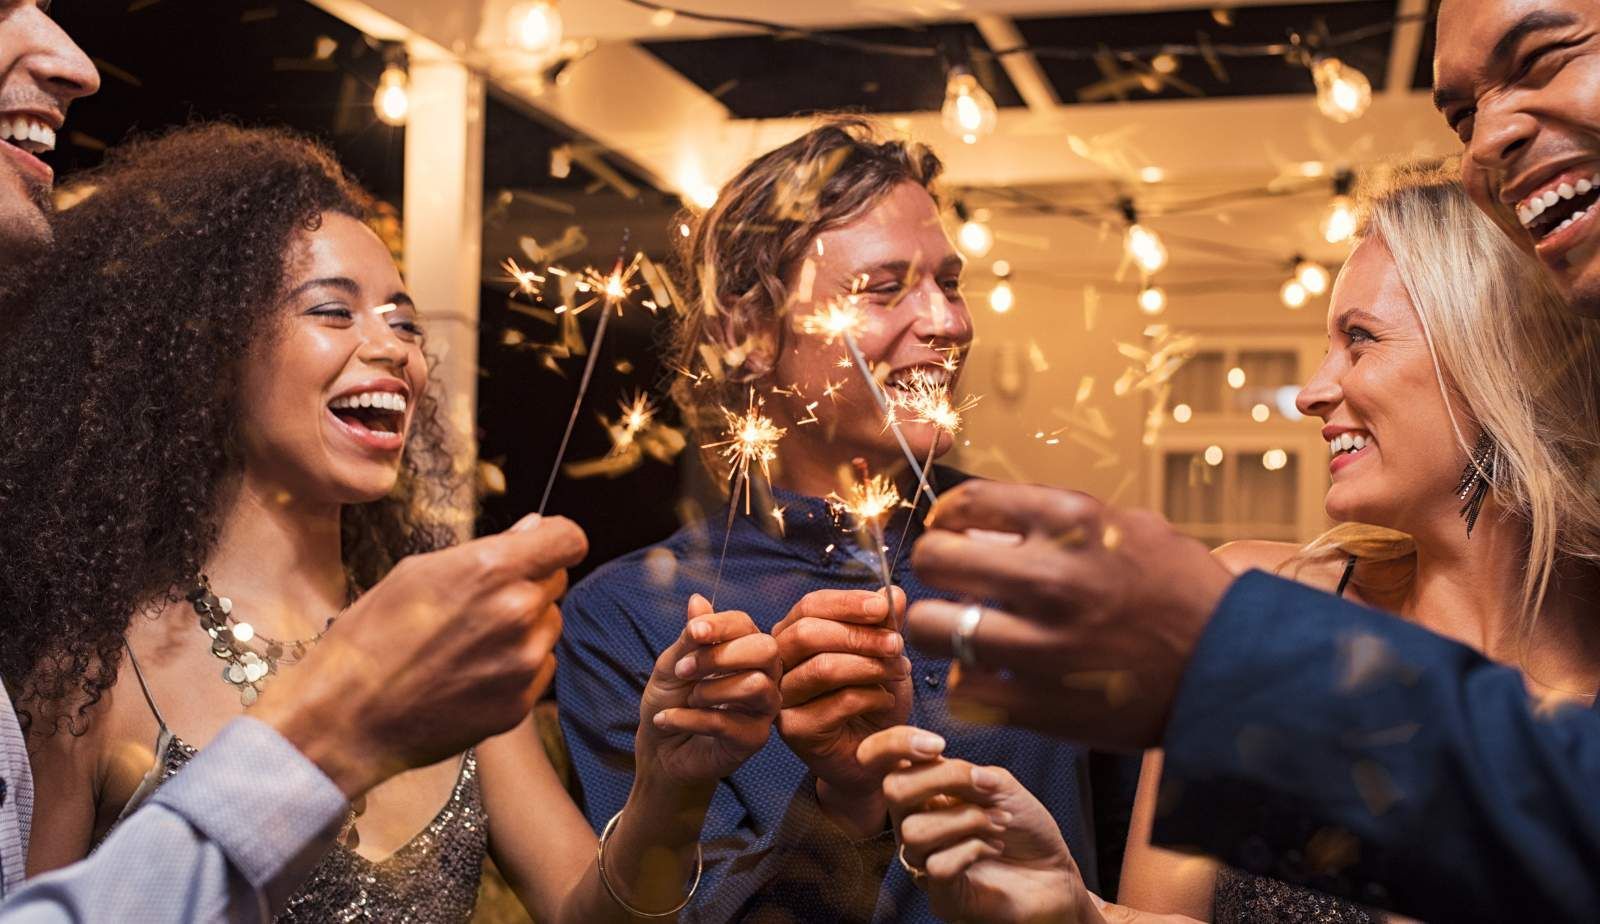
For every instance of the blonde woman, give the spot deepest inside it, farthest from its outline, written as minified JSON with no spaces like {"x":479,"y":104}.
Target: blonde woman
{"x":1460,"y":407}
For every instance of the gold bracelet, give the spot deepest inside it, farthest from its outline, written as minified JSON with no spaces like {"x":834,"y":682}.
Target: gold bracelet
{"x":600,"y":864}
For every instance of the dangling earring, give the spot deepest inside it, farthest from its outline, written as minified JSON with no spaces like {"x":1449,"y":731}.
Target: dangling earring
{"x":1476,"y":479}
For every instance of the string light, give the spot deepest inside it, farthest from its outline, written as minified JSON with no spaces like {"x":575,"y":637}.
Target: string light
{"x":974,"y":237}
{"x":1182,"y":413}
{"x":1143,"y":246}
{"x":392,"y":99}
{"x":1274,"y":459}
{"x":1313,"y":276}
{"x":1343,"y":92}
{"x":535,"y":27}
{"x":968,"y":112}
{"x":1152,"y":299}
{"x":1294,"y":295}
{"x":1001,"y":298}
{"x":1236,"y":378}
{"x":1260,"y":413}
{"x":1213,"y":455}
{"x":1339,"y":221}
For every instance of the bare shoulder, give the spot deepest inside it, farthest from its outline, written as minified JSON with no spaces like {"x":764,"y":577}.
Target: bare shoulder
{"x":1241,"y":555}
{"x":1244,"y":554}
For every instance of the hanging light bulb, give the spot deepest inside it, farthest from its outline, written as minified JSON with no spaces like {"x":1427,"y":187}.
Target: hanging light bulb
{"x":1152,"y":299}
{"x":1001,"y":297}
{"x":1312,"y":276}
{"x":1143,"y":245}
{"x":535,"y":27}
{"x":1294,"y":295}
{"x":392,"y":99}
{"x":1339,"y":221}
{"x":1343,"y":93}
{"x":968,"y":111}
{"x":974,"y":237}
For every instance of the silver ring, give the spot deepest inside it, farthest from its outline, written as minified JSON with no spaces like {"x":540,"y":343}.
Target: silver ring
{"x":916,"y":875}
{"x":961,"y":637}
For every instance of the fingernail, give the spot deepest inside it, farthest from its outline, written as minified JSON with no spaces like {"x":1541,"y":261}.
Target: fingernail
{"x":1000,"y":817}
{"x":927,"y":744}
{"x":875,"y":605}
{"x":985,"y":779}
{"x":698,"y":598}
{"x":894,"y":644}
{"x":659,"y":719}
{"x":905,"y":667}
{"x":684,"y":667}
{"x":699,"y":630}
{"x":531,"y":521}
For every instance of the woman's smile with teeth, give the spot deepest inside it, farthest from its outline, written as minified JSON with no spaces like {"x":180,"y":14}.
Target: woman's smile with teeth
{"x":379,"y":412}
{"x":1348,"y":442}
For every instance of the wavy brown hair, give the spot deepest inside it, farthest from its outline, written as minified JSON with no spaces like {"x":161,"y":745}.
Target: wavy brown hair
{"x":123,"y":350}
{"x":736,"y":267}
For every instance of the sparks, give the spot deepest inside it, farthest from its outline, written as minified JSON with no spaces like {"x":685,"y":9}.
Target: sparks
{"x":526,"y":280}
{"x":867,"y":501}
{"x":836,"y":319}
{"x":752,"y":439}
{"x":927,"y":399}
{"x":612,"y":288}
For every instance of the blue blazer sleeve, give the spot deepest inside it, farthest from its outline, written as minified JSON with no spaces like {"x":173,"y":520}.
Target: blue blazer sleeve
{"x":1328,"y":744}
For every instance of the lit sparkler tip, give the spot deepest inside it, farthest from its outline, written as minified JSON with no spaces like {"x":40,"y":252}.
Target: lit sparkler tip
{"x":868,"y":500}
{"x":927,"y":398}
{"x":837,"y":318}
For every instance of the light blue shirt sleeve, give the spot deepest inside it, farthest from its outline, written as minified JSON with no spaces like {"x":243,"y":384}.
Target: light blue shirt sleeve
{"x":229,"y":838}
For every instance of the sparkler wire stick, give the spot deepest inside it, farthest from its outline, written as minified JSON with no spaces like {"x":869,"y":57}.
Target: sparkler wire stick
{"x":583,"y":383}
{"x":888,"y":413}
{"x":906,"y":530}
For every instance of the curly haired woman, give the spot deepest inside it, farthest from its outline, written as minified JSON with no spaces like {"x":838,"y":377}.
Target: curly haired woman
{"x":223,"y":433}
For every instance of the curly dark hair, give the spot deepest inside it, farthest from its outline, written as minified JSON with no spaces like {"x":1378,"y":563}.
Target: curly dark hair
{"x":735,"y":267}
{"x":123,"y":347}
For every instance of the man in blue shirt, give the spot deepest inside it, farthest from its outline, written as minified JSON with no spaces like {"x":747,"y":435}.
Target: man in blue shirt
{"x":441,"y":654}
{"x":800,"y":832}
{"x":1273,"y":700}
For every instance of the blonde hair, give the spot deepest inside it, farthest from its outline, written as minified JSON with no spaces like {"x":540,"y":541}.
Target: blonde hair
{"x":1505,"y":344}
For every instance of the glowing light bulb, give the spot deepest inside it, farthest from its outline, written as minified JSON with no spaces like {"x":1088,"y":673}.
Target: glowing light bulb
{"x":968,"y":111}
{"x":1274,"y":459}
{"x":701,"y":195}
{"x":1152,"y":300}
{"x":1339,"y":222}
{"x":1144,"y":247}
{"x":1260,"y":413}
{"x":1213,"y":455}
{"x":1001,"y":297}
{"x":392,"y":99}
{"x":1313,"y":276}
{"x":1294,"y":295}
{"x":1343,"y":93}
{"x":535,"y":27}
{"x":975,"y":238}
{"x":1001,"y":267}
{"x":1183,"y":413}
{"x":1236,"y":377}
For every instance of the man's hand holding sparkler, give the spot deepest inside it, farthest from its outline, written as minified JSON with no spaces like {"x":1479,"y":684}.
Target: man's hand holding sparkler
{"x":1099,"y":610}
{"x":710,"y":701}
{"x":845,"y":676}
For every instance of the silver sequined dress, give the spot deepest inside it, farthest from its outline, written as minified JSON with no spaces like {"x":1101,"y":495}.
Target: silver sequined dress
{"x":433,"y":879}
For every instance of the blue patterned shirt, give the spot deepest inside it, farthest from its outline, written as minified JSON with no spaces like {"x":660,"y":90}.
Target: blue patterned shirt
{"x":770,"y":854}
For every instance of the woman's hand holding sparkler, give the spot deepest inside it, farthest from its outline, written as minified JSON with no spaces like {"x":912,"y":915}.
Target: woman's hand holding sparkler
{"x":710,"y":702}
{"x":845,"y":676}
{"x":981,"y":845}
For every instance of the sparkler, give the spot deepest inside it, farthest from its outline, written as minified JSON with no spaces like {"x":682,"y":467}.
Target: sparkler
{"x":612,"y":289}
{"x":842,"y":319}
{"x":868,"y":501}
{"x":752,"y":440}
{"x":926,"y":397}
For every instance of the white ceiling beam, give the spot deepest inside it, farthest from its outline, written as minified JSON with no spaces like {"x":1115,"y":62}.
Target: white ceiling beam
{"x":1406,"y":46}
{"x":1023,"y":68}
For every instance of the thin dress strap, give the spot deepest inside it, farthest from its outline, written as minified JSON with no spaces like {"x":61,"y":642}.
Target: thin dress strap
{"x":1349,"y":572}
{"x":145,"y":688}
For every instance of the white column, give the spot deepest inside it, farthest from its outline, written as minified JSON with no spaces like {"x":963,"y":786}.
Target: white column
{"x":443,"y":235}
